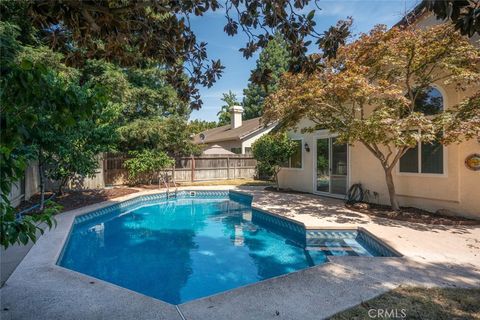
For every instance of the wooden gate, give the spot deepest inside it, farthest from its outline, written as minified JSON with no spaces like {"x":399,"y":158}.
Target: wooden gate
{"x":113,"y":171}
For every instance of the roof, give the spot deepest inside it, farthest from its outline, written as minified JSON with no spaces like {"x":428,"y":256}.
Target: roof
{"x":216,"y":149}
{"x":414,"y":14}
{"x":226,"y":133}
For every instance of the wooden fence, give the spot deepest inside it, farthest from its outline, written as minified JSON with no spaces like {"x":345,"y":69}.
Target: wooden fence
{"x":188,"y":169}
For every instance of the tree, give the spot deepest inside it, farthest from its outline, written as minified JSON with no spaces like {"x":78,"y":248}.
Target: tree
{"x":371,"y":93}
{"x":272,"y":151}
{"x":464,"y":14}
{"x":130,"y":33}
{"x":77,"y":149}
{"x":30,"y":89}
{"x":170,"y":135}
{"x":147,"y":162}
{"x":196,"y":126}
{"x":230,"y":100}
{"x":274,"y":60}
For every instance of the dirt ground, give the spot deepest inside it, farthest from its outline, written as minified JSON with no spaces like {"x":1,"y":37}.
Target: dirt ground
{"x":76,"y":199}
{"x":412,"y":215}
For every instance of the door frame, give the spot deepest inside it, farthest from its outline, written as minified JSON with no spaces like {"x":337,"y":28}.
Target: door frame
{"x":325,"y":134}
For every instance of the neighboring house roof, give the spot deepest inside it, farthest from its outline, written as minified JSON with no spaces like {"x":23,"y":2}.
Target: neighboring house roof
{"x":216,"y":149}
{"x":226,"y":133}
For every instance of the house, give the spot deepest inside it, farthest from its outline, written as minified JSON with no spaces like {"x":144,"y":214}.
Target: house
{"x":436,"y":178}
{"x":236,"y":137}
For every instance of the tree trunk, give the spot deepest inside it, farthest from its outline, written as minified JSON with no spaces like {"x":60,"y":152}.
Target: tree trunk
{"x":63,"y":182}
{"x":391,"y":189}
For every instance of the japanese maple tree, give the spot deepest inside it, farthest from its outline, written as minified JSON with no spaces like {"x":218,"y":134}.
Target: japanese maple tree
{"x":370,"y":92}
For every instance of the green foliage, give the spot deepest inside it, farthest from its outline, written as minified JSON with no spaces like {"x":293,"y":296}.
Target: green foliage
{"x":272,"y":151}
{"x":146,"y":163}
{"x":463,"y":14}
{"x":196,"y":126}
{"x":272,"y":63}
{"x":77,"y":149}
{"x":136,"y":92}
{"x":230,"y":100}
{"x":24,"y":229}
{"x":168,"y":134}
{"x":41,"y":99}
{"x":132,"y":33}
{"x":150,"y":95}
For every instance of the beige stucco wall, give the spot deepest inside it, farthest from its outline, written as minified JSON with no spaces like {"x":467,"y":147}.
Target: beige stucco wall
{"x":301,"y":179}
{"x":249,"y":140}
{"x":458,"y":189}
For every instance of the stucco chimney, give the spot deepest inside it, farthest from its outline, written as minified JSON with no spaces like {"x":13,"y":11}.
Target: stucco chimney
{"x":236,"y":116}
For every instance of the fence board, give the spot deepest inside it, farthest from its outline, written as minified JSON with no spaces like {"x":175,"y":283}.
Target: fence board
{"x":188,"y":169}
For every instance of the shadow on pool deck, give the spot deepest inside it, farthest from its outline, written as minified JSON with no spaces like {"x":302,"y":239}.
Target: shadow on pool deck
{"x":332,"y":210}
{"x":320,"y":292}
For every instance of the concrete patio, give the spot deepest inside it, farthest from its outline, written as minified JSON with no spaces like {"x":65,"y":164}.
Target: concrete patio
{"x":432,"y":256}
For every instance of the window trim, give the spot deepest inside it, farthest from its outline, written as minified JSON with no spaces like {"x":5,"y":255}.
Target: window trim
{"x":301,"y":139}
{"x":421,"y":174}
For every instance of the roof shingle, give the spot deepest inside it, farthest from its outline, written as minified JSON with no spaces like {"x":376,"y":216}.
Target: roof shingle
{"x":225,"y":133}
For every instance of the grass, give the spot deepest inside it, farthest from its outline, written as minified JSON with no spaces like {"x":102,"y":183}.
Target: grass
{"x":232,"y":182}
{"x":419,"y":303}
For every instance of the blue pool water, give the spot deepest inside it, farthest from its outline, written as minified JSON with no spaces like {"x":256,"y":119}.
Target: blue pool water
{"x":181,"y":249}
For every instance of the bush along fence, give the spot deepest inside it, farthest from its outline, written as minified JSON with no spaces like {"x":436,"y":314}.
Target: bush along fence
{"x":187,"y":169}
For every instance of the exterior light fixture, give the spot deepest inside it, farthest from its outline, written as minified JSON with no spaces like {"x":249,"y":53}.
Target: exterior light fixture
{"x":307,"y":147}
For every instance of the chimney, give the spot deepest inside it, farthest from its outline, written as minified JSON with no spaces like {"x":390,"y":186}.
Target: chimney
{"x":236,"y":116}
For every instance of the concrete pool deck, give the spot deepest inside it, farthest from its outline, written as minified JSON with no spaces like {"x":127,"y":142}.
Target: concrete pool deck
{"x":432,"y":256}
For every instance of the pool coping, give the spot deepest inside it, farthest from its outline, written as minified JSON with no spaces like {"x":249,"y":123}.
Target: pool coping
{"x":45,"y":254}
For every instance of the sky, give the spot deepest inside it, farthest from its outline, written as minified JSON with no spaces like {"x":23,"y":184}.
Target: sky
{"x":209,"y":28}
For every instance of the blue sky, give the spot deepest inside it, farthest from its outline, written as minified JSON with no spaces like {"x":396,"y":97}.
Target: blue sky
{"x":209,"y":28}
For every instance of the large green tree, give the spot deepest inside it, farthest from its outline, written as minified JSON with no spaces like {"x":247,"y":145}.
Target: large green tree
{"x":196,"y":126}
{"x":273,"y":61}
{"x":130,"y":33}
{"x":170,"y":134}
{"x":373,"y":93}
{"x":36,"y":90}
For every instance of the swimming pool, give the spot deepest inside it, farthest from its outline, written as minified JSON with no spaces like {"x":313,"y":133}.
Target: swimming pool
{"x":198,"y":244}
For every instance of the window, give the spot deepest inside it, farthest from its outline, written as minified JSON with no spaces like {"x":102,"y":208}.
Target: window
{"x":295,"y":160}
{"x":236,"y":150}
{"x":424,"y":158}
{"x":248,"y":151}
{"x":429,"y":101}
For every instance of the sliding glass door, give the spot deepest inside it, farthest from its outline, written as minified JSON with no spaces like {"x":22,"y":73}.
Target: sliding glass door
{"x":331,"y":167}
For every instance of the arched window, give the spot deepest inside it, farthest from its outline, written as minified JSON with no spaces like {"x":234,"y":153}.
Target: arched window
{"x":429,"y":101}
